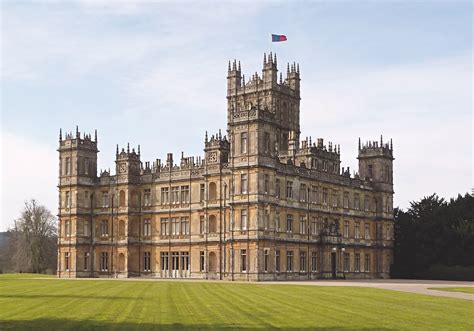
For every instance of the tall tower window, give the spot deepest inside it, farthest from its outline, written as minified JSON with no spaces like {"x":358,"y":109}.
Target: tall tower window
{"x":370,"y":170}
{"x":302,"y":261}
{"x":314,"y":261}
{"x":289,"y":189}
{"x":164,"y":226}
{"x":357,"y":262}
{"x":266,"y":185}
{"x":277,"y":188}
{"x":185,"y":225}
{"x":367,"y":263}
{"x":346,"y":229}
{"x":165,"y":195}
{"x":68,"y":166}
{"x":104,"y":228}
{"x":289,"y":261}
{"x":67,"y":228}
{"x":185,"y":194}
{"x":367,"y":231}
{"x":289,"y":223}
{"x":202,"y":225}
{"x":86,"y":166}
{"x":243,"y":143}
{"x":147,"y":227}
{"x":243,"y":260}
{"x":104,"y":261}
{"x":67,"y":261}
{"x":146,"y":261}
{"x":67,"y":202}
{"x":201,"y":192}
{"x":243,"y":219}
{"x":357,"y":230}
{"x":266,"y":142}
{"x":243,"y":183}
{"x":266,"y":260}
{"x":147,"y":197}
{"x":302,"y":224}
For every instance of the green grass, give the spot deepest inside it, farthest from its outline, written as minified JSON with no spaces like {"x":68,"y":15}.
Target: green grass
{"x":92,"y":304}
{"x":26,"y":276}
{"x":455,"y":289}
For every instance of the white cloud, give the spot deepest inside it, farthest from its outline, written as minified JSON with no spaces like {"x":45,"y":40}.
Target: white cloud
{"x":28,"y":170}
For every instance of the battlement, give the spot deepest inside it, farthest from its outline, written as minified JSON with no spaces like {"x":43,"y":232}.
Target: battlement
{"x":216,"y":141}
{"x":127,"y":155}
{"x":76,"y":141}
{"x":376,"y":149}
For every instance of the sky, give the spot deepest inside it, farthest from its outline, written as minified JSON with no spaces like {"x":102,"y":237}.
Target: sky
{"x":154,"y":74}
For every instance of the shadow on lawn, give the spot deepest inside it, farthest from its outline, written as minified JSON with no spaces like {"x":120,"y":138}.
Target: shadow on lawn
{"x":58,"y":324}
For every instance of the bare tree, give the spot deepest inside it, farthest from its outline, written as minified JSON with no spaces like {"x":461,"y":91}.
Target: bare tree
{"x":35,"y":239}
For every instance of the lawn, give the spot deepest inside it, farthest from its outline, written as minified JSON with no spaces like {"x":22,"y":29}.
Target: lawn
{"x":165,"y":305}
{"x":455,"y":289}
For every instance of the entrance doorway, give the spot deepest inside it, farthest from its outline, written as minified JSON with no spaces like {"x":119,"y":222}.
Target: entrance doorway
{"x":333,"y":265}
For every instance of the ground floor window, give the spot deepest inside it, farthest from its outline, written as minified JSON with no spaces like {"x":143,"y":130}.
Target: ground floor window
{"x":314,"y":262}
{"x":289,"y":261}
{"x":146,"y":261}
{"x":367,"y":263}
{"x":266,"y":260}
{"x":346,"y":262}
{"x":164,"y":259}
{"x":357,"y":262}
{"x":67,"y":261}
{"x":302,"y":261}
{"x":185,"y":261}
{"x":86,"y":261}
{"x":277,"y":261}
{"x":202,"y":261}
{"x":104,"y":261}
{"x":243,"y":260}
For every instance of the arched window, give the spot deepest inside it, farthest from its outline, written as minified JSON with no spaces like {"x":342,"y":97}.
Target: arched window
{"x":212,"y":224}
{"x":212,"y":191}
{"x":212,"y":262}
{"x":122,"y":198}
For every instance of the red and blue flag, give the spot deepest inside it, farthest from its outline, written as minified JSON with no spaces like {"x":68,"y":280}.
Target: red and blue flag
{"x":278,"y":37}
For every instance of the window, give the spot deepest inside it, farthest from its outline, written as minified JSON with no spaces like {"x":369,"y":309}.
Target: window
{"x":243,"y":183}
{"x":370,"y":171}
{"x":185,"y":261}
{"x":202,"y":261}
{"x":277,"y":221}
{"x":366,"y":203}
{"x":66,"y":261}
{"x":202,"y":192}
{"x":303,"y":194}
{"x":243,"y":219}
{"x":277,"y":261}
{"x":266,"y":185}
{"x":356,"y":201}
{"x":289,"y":189}
{"x":334,"y":199}
{"x":164,"y":258}
{"x":174,"y":226}
{"x":86,"y":199}
{"x":85,"y":228}
{"x":243,"y":260}
{"x":357,"y":262}
{"x":243,"y":143}
{"x":302,"y":224}
{"x":266,"y":219}
{"x":347,"y":261}
{"x":314,"y":261}
{"x":325,"y":196}
{"x":67,"y":228}
{"x":314,"y":194}
{"x":346,"y":229}
{"x":86,"y":166}
{"x":277,"y":188}
{"x":289,"y":261}
{"x":175,"y":195}
{"x":367,"y":231}
{"x":104,"y":261}
{"x":165,"y":195}
{"x":357,"y":230}
{"x":105,"y":199}
{"x":266,"y":260}
{"x":185,"y":194}
{"x":202,"y":224}
{"x":68,"y":166}
{"x":266,"y":142}
{"x":146,"y":261}
{"x":104,"y":228}
{"x":86,"y":261}
{"x":302,"y":261}
{"x":164,"y":227}
{"x":387,"y":173}
{"x":388,"y":232}
{"x":367,"y":263}
{"x":185,"y":225}
{"x":67,"y":202}
{"x":346,"y":200}
{"x":289,"y":223}
{"x":147,"y":227}
{"x":314,"y":225}
{"x":147,"y":197}
{"x":325,"y":165}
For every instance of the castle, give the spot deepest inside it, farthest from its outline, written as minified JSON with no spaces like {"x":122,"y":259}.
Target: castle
{"x":260,"y":205}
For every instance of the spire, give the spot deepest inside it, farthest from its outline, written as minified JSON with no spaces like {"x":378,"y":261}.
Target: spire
{"x":77,"y":131}
{"x":239,"y":65}
{"x":234,"y":65}
{"x":287,"y":69}
{"x":128,"y":148}
{"x":243,"y":80}
{"x":359,"y":144}
{"x":391,"y":145}
{"x":381,"y":141}
{"x":281,"y":78}
{"x":60,"y":134}
{"x":95,"y":135}
{"x":138,"y":150}
{"x":205,"y":138}
{"x":220,"y":135}
{"x":117,"y":150}
{"x":298,"y":68}
{"x":228,"y":68}
{"x":264,"y":59}
{"x":270,"y":58}
{"x":275,"y":59}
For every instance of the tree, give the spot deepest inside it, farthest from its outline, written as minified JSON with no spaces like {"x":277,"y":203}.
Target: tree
{"x":35,"y":239}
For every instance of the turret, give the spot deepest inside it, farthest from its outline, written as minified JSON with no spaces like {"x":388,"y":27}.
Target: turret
{"x":270,"y":71}
{"x":128,"y":165}
{"x":375,"y":163}
{"x":234,"y":77}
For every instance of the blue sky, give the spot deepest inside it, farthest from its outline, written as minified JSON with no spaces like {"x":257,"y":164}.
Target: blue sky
{"x":135,"y":70}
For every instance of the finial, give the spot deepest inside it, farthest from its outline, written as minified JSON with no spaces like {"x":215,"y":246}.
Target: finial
{"x":275,"y":59}
{"x":281,"y":78}
{"x":228,"y":68}
{"x":205,"y":138}
{"x":391,"y":145}
{"x":288,"y":69}
{"x":270,"y":58}
{"x":359,"y":144}
{"x":234,"y":65}
{"x":239,"y":65}
{"x":220,"y":135}
{"x":117,"y":150}
{"x":381,"y":141}
{"x":264,"y":59}
{"x":298,"y":68}
{"x":128,"y":147}
{"x":77,"y":131}
{"x":138,"y":150}
{"x":95,"y":135}
{"x":60,"y":134}
{"x":243,"y":80}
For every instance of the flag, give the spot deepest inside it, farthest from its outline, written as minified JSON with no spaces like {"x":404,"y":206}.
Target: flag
{"x":278,"y":37}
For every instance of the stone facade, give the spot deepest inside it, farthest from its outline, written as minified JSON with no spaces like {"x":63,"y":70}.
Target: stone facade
{"x":260,"y":205}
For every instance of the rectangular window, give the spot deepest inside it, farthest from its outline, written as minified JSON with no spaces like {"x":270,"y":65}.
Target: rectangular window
{"x":165,"y":195}
{"x":314,"y":194}
{"x":66,"y":261}
{"x":302,"y":224}
{"x":185,"y":261}
{"x":243,"y":260}
{"x":347,"y":262}
{"x":164,"y":227}
{"x":314,"y":226}
{"x":86,"y":261}
{"x":357,"y":262}
{"x":164,"y":259}
{"x":146,"y":261}
{"x":277,"y":188}
{"x":357,"y":230}
{"x":202,"y":225}
{"x":175,"y":195}
{"x":104,"y":261}
{"x":243,"y":183}
{"x":243,"y":219}
{"x":367,"y":263}
{"x":314,"y":261}
{"x":67,"y":202}
{"x":303,"y":193}
{"x":105,"y":199}
{"x":289,"y":223}
{"x":266,"y":185}
{"x":147,"y":227}
{"x":277,"y":261}
{"x":104,"y":228}
{"x":370,"y":170}
{"x":366,"y":203}
{"x":335,"y":199}
{"x":67,"y":228}
{"x":85,"y":228}
{"x":86,"y":199}
{"x":266,"y":219}
{"x":202,"y":261}
{"x":356,"y":201}
{"x":266,"y":260}
{"x":325,"y":196}
{"x":184,"y":225}
{"x":147,"y":197}
{"x":202,"y":192}
{"x":68,"y":166}
{"x":243,"y":143}
{"x":289,"y":189}
{"x":289,"y":261}
{"x":367,"y":231}
{"x":277,"y":221}
{"x":346,"y":229}
{"x":346,"y":200}
{"x":388,"y":231}
{"x":86,"y":166}
{"x":185,"y":194}
{"x":266,"y":142}
{"x":174,"y":226}
{"x":302,"y":261}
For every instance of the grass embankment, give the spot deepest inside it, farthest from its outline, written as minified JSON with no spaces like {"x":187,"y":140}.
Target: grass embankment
{"x":469,"y":290}
{"x":86,"y":304}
